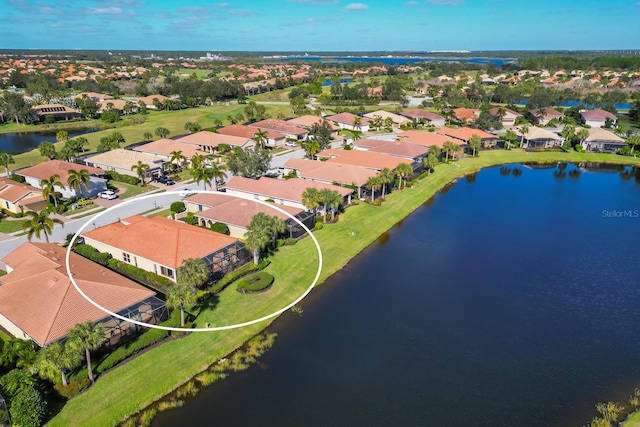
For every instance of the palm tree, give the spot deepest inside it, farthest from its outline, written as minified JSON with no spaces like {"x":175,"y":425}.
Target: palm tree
{"x":330,"y":199}
{"x":87,"y":336}
{"x":311,"y":148}
{"x":258,"y":234}
{"x":455,"y":150}
{"x":583,"y":134}
{"x":197,"y":160}
{"x":568,"y":132}
{"x":141,"y":170}
{"x":430,"y":162}
{"x":161,"y":132}
{"x":310,"y":198}
{"x":509,"y":137}
{"x":386,"y":176}
{"x":193,"y":272}
{"x":21,"y":353}
{"x":6,"y":159}
{"x":474,"y":143}
{"x":632,"y":140}
{"x":78,"y":179}
{"x":49,"y":188}
{"x":448,"y":147}
{"x":278,"y":226}
{"x":148,"y":136}
{"x":216,"y":173}
{"x":62,"y":136}
{"x":357,"y":122}
{"x":57,"y":359}
{"x":200,"y":175}
{"x":40,"y":223}
{"x":179,"y":296}
{"x":261,"y":137}
{"x":523,"y":129}
{"x":176,"y":156}
{"x":373,"y":184}
{"x":403,"y":171}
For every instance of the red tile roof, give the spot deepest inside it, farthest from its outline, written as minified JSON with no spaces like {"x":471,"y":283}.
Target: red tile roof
{"x":366,"y":159}
{"x":424,"y":138}
{"x":417,"y":113}
{"x":330,"y":172}
{"x":56,"y":167}
{"x":166,"y":146}
{"x":290,"y":189}
{"x":465,"y":133}
{"x":212,"y":139}
{"x":279,"y":126}
{"x":247,"y":132}
{"x":346,"y":118}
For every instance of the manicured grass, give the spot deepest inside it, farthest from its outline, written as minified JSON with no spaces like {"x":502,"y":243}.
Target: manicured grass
{"x":136,"y":384}
{"x":10,"y":226}
{"x":131,"y":190}
{"x":632,"y":421}
{"x":185,"y":73}
{"x":79,"y":210}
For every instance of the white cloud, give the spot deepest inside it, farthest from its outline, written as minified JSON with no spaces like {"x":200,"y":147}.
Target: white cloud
{"x":356,"y":6}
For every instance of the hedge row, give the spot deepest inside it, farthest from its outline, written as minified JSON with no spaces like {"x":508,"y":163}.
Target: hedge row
{"x":257,"y":282}
{"x":127,"y":179}
{"x":231,"y":277}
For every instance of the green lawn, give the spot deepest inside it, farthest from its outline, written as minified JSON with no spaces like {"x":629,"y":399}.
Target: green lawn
{"x":131,"y":190}
{"x":632,"y":421}
{"x":146,"y":378}
{"x":8,"y":226}
{"x":185,"y":73}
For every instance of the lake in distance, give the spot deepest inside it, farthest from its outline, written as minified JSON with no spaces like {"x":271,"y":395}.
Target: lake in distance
{"x":21,"y":142}
{"x":506,"y":300}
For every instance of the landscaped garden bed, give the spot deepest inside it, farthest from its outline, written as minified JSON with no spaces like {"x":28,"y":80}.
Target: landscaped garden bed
{"x":255,"y":283}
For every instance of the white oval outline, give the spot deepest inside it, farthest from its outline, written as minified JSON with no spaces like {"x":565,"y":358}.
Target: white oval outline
{"x":211,"y":329}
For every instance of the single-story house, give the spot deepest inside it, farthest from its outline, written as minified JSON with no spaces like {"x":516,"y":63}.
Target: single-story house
{"x":597,"y":118}
{"x":365,"y":159}
{"x":508,"y":118}
{"x":39,"y":302}
{"x":274,"y":139}
{"x":112,"y":105}
{"x":424,"y":138}
{"x":161,"y":245}
{"x":466,"y":115}
{"x":210,"y":141}
{"x":282,"y":192}
{"x":35,"y":174}
{"x":19,"y":198}
{"x":349,"y":121}
{"x":307,"y":121}
{"x":94,"y":96}
{"x":237,"y":213}
{"x":601,"y":140}
{"x":425,"y":117}
{"x":396,"y":118}
{"x":57,"y":111}
{"x":149,"y":103}
{"x":164,"y":147}
{"x":404,"y":149}
{"x":331,"y":173}
{"x":121,"y":161}
{"x":464,"y":134}
{"x":290,"y":130}
{"x":542,"y":116}
{"x":541,"y":138}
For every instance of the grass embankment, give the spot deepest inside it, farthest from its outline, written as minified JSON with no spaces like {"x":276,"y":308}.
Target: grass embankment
{"x":172,"y":120}
{"x":136,"y":384}
{"x":632,"y":421}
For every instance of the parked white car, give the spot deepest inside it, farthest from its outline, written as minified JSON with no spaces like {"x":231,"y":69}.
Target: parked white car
{"x":187,"y":192}
{"x":107,"y":194}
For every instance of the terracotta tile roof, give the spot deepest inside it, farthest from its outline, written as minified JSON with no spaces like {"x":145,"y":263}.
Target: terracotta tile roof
{"x":494,"y":112}
{"x":417,"y":113}
{"x":597,"y":115}
{"x":465,"y":133}
{"x":39,"y":298}
{"x":247,"y":132}
{"x":331,"y":172}
{"x":56,"y":167}
{"x":148,"y":100}
{"x":164,"y":147}
{"x":346,"y":118}
{"x":290,"y":189}
{"x":366,"y":159}
{"x":549,"y":112}
{"x":117,"y":104}
{"x":14,"y":191}
{"x":308,"y":120}
{"x":466,"y":113}
{"x":385,"y":114}
{"x":599,"y":134}
{"x":212,"y":139}
{"x":424,"y":138}
{"x":539,"y":133}
{"x":235,"y":211}
{"x":279,"y":126}
{"x":160,"y":240}
{"x":125,"y":159}
{"x":393,"y":148}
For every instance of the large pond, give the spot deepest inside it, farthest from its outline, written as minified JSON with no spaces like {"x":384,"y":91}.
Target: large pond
{"x":510,"y":299}
{"x":21,"y":142}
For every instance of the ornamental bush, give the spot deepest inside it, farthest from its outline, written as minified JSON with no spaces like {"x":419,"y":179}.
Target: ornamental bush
{"x":177,"y":207}
{"x":220,"y":228}
{"x":28,"y":408}
{"x":255,"y":283}
{"x":127,"y":179}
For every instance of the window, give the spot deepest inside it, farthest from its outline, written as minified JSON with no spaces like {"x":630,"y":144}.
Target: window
{"x":126,"y":257}
{"x":166,"y":271}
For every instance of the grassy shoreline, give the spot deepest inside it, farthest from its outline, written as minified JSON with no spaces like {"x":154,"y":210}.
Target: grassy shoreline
{"x":145,"y":379}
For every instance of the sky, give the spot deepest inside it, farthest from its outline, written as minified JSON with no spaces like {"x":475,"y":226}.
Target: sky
{"x":320,"y":25}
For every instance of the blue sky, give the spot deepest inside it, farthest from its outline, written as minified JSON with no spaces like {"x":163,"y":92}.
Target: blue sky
{"x":312,"y":25}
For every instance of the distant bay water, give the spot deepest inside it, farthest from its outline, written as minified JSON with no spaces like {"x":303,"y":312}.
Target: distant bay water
{"x":397,"y":60}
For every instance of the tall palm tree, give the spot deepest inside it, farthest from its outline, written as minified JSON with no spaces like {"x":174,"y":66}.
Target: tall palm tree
{"x":474,"y":143}
{"x":216,"y":173}
{"x":311,"y":148}
{"x":200,"y":175}
{"x":430,"y":162}
{"x":177,"y":157}
{"x":193,"y":272}
{"x":310,"y":198}
{"x":278,"y":226}
{"x":455,"y":149}
{"x":161,"y":132}
{"x":179,"y":296}
{"x":632,"y":140}
{"x":583,"y":134}
{"x":258,"y":234}
{"x":87,"y":336}
{"x":49,"y":188}
{"x":331,"y":199}
{"x":40,"y":223}
{"x":448,"y":147}
{"x":21,"y":353}
{"x":403,"y":171}
{"x":140,"y":170}
{"x":357,"y":122}
{"x":509,"y":137}
{"x":78,"y":179}
{"x":148,"y":136}
{"x":524,"y":128}
{"x":57,"y":359}
{"x":261,"y":137}
{"x":6,"y":159}
{"x":373,"y":184}
{"x":386,"y":177}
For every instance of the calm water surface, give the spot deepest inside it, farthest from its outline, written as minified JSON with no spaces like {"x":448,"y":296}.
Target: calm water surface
{"x":510,"y":300}
{"x":21,"y":142}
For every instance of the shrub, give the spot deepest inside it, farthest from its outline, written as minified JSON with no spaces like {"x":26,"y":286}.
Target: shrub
{"x":319,"y":225}
{"x":255,"y":283}
{"x":127,"y":179}
{"x":290,"y":241}
{"x":17,"y":178}
{"x":177,"y":207}
{"x":220,"y":228}
{"x":150,"y":279}
{"x":73,"y":389}
{"x":279,"y":242}
{"x":92,"y":253}
{"x":229,"y":278}
{"x":191,"y":219}
{"x":28,"y":408}
{"x":270,"y":201}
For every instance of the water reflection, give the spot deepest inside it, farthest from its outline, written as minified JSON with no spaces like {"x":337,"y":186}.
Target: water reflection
{"x":629,"y":173}
{"x":471,"y":178}
{"x":505,"y":171}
